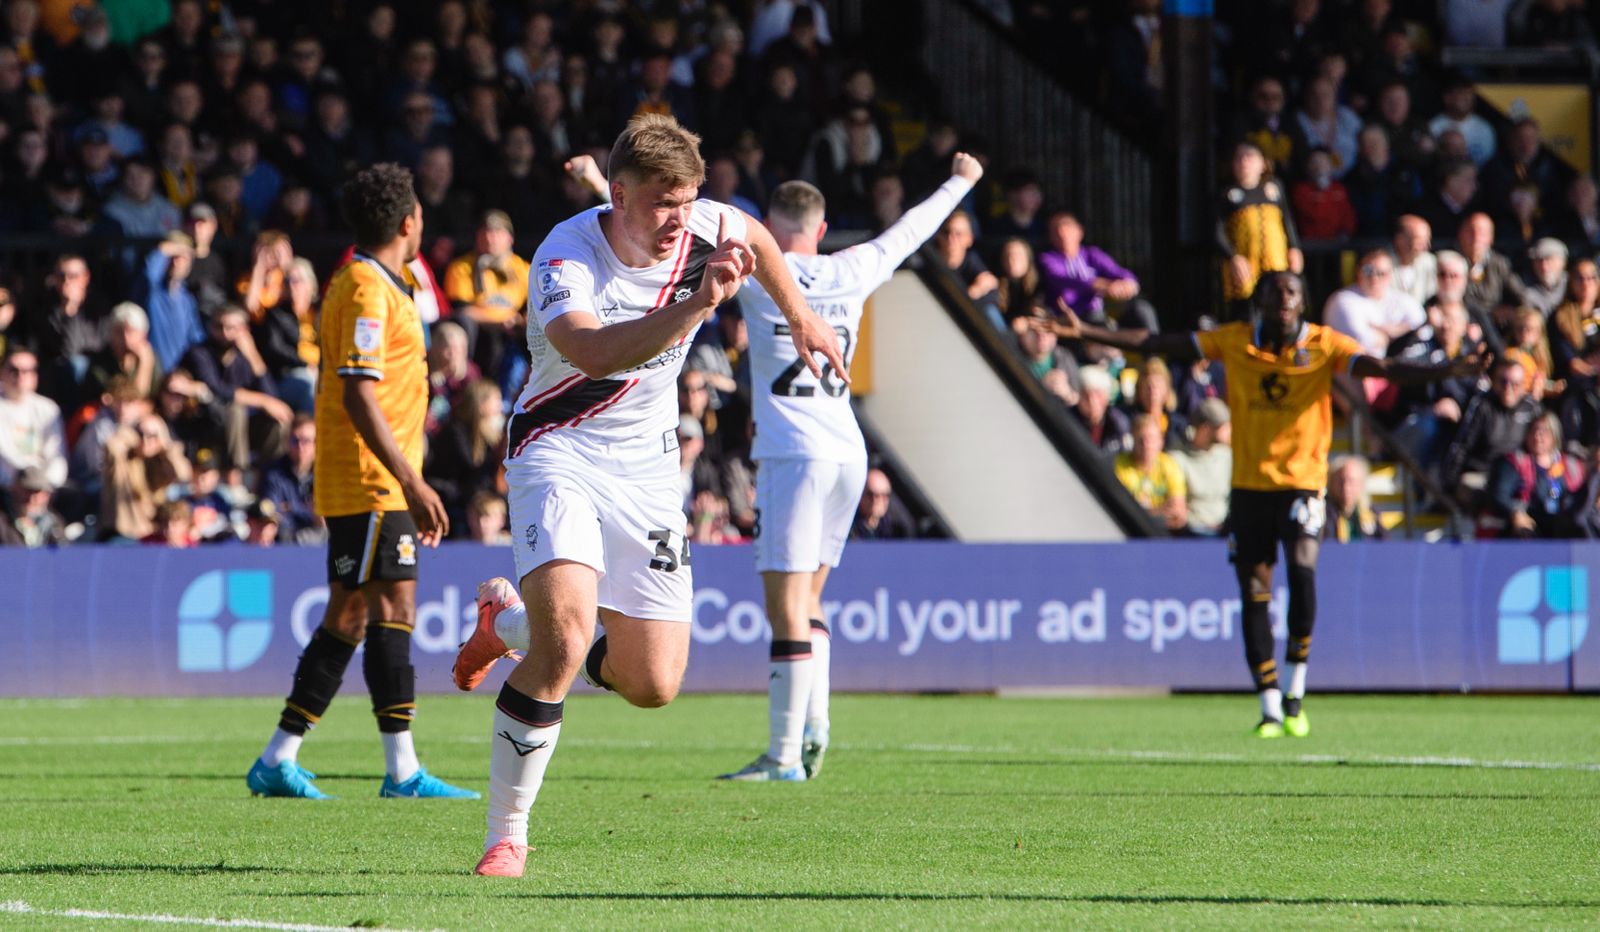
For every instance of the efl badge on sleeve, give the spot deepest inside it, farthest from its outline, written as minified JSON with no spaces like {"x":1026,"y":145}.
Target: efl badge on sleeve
{"x":369,"y":335}
{"x":549,"y":274}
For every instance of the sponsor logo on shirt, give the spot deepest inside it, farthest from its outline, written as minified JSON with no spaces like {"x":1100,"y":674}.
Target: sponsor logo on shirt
{"x":561,"y":295}
{"x":369,"y":334}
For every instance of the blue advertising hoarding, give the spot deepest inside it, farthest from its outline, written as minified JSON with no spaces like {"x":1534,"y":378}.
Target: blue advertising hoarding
{"x":109,"y":621}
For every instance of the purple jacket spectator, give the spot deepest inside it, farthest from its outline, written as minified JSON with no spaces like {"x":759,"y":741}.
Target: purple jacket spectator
{"x":1073,"y":277}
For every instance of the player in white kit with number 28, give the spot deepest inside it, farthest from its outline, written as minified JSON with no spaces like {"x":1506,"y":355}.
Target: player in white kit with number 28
{"x":592,"y":459}
{"x":812,"y":459}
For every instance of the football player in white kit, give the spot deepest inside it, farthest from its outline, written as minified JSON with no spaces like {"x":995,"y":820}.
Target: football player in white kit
{"x":812,"y":459}
{"x":592,"y":460}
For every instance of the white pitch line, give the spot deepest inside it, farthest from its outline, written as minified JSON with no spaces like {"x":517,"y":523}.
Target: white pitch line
{"x":18,"y":906}
{"x":1216,"y":757}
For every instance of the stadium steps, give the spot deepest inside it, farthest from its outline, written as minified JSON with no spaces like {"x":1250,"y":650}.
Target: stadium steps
{"x":1388,"y":498}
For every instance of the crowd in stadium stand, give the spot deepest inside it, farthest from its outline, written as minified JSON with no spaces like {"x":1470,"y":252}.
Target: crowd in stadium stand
{"x":160,"y":389}
{"x":157,"y":389}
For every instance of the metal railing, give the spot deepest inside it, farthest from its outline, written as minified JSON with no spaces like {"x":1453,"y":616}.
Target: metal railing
{"x":987,"y":85}
{"x":1411,"y":473}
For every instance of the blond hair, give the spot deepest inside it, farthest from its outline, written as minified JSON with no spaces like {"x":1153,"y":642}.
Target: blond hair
{"x":796,"y":205}
{"x":655,"y":147}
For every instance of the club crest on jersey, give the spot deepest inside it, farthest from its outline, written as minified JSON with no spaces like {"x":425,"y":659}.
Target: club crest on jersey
{"x":1302,"y":357}
{"x":405,"y":551}
{"x":682,"y":294}
{"x":532,"y":536}
{"x":549,"y":274}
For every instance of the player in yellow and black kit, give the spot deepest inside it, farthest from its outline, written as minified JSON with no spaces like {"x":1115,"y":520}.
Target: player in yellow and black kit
{"x":1255,"y":229}
{"x":1280,"y":373}
{"x":372,"y":397}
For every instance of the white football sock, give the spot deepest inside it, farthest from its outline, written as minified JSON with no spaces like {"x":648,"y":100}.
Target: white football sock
{"x":400,"y":755}
{"x":788,"y":694}
{"x":282,"y":746}
{"x":512,"y":626}
{"x":821,"y":651}
{"x":518,"y":757}
{"x":1297,"y":679}
{"x":1272,"y":704}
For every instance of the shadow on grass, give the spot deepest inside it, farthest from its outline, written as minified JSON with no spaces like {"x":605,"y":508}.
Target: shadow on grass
{"x":175,"y":870}
{"x":1137,"y":899}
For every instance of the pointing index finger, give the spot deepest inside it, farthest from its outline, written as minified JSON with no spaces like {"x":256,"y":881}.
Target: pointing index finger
{"x":722,"y":228}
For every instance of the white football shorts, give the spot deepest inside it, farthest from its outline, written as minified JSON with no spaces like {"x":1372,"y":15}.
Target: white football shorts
{"x":630,"y":533}
{"x":804,"y":509}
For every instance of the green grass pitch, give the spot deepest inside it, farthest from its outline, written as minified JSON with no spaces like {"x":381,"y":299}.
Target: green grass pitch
{"x":933,"y":812}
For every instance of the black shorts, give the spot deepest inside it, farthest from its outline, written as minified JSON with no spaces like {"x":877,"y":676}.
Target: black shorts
{"x":1259,"y":521}
{"x":374,"y":545}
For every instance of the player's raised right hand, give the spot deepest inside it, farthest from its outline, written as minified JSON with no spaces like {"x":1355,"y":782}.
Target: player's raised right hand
{"x":427,"y":510}
{"x":965,"y":166}
{"x":728,"y":267}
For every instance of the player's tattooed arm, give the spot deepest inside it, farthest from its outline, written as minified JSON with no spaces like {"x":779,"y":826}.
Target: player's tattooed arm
{"x":1176,"y":346}
{"x":361,"y":403}
{"x":810,"y":334}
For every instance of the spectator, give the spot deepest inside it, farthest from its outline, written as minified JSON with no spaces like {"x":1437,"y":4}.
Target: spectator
{"x":1455,"y":200}
{"x":28,"y":520}
{"x":1459,"y":99}
{"x":447,"y":211}
{"x":237,"y":377}
{"x":1085,"y":276}
{"x":1207,"y":465}
{"x":1579,"y":222}
{"x":72,"y":329}
{"x":1548,"y":287}
{"x":783,"y":122}
{"x":211,"y":514}
{"x":210,"y":279}
{"x":1533,"y":490}
{"x":710,"y":520}
{"x":1108,"y":426}
{"x":450,"y":371}
{"x":177,"y":173}
{"x":1429,"y":413}
{"x":172,"y":526}
{"x":880,"y":515}
{"x":263,"y":524}
{"x":486,"y":520}
{"x":1576,"y":322}
{"x":1325,"y":124}
{"x":1254,"y":229}
{"x":141,"y":465}
{"x":9,"y":328}
{"x":121,"y":406}
{"x":1134,"y":64}
{"x":1153,"y":395}
{"x":194,"y":417}
{"x":136,"y":209}
{"x":1528,"y":338}
{"x":1523,"y":226}
{"x":1350,"y":514}
{"x":1493,"y":290}
{"x":488,"y":289}
{"x":1152,"y":476}
{"x":954,"y":243}
{"x":1552,"y":24}
{"x":1579,"y":406}
{"x":1322,"y":207}
{"x":1525,"y":160}
{"x":1379,"y":186}
{"x":334,"y":145}
{"x":30,"y":423}
{"x":536,"y":58}
{"x":464,"y":458}
{"x":173,"y":311}
{"x":259,"y":180}
{"x":126,"y":142}
{"x":1492,"y":425}
{"x":652,"y":91}
{"x":1023,"y":216}
{"x":1045,"y":359}
{"x":1416,"y":270}
{"x":127,"y":353}
{"x":1371,"y":311}
{"x":1410,"y":142}
{"x":927,"y":166}
{"x":287,"y":484}
{"x":1018,"y":291}
{"x":1265,"y":126}
{"x":721,"y":355}
{"x":1586,"y":518}
{"x":286,"y":335}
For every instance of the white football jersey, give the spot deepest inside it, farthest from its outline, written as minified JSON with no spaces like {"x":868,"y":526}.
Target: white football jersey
{"x":797,"y":414}
{"x":627,"y":423}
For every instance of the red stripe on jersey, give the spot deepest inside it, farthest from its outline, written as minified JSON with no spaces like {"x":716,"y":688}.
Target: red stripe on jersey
{"x":590,"y":412}
{"x":678,"y":266}
{"x":553,"y":391}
